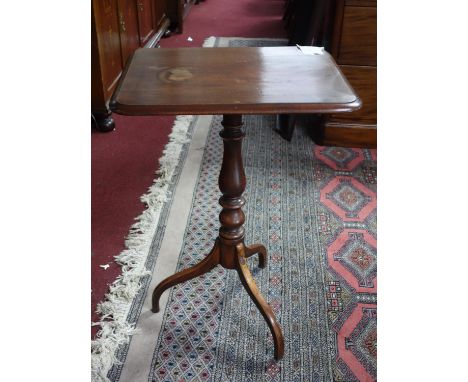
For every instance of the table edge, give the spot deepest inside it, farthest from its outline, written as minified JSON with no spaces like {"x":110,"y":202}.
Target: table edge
{"x":316,"y":108}
{"x":196,"y":109}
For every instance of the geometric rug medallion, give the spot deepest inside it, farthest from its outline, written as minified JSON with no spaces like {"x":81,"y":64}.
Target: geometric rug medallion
{"x":314,"y":209}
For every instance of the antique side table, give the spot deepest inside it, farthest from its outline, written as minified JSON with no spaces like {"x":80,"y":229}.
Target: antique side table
{"x":231,"y":82}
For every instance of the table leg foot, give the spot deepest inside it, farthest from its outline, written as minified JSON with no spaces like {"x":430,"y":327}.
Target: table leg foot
{"x":253,"y":249}
{"x":206,"y":265}
{"x":252,"y":289}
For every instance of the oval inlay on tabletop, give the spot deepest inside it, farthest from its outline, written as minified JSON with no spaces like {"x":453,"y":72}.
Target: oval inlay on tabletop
{"x":175,"y":74}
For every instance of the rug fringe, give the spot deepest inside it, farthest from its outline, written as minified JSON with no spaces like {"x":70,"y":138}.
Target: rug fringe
{"x":209,"y":42}
{"x":113,"y":310}
{"x":115,"y":330}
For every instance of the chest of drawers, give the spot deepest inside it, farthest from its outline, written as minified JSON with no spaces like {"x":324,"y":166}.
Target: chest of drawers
{"x":352,"y":41}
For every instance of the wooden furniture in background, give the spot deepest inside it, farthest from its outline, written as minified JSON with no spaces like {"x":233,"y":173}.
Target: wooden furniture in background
{"x":118,"y":27}
{"x":232,"y":82}
{"x":353,"y":43}
{"x":178,"y":11}
{"x":348,"y":30}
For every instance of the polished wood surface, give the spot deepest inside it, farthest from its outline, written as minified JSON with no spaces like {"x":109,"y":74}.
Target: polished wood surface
{"x":232,"y":81}
{"x":128,"y":23}
{"x":364,"y":81}
{"x":106,"y":64}
{"x":105,"y":43}
{"x":146,"y":18}
{"x":354,"y":44}
{"x":358,"y":37}
{"x":118,"y":27}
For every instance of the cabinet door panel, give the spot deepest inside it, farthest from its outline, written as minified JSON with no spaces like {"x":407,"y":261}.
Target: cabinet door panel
{"x":145,"y":20}
{"x":159,"y":10}
{"x":128,"y":20}
{"x":359,"y":36}
{"x":107,"y":33}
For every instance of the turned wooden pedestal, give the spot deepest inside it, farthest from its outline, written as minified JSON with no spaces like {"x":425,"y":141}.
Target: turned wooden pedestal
{"x":231,"y":82}
{"x":229,"y":249}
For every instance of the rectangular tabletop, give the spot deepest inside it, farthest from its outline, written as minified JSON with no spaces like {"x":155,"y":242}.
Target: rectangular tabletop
{"x":232,"y":81}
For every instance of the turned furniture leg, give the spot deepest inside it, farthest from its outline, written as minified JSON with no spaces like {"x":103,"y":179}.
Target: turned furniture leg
{"x":232,"y":184}
{"x":204,"y":266}
{"x":229,"y":249}
{"x":249,"y":284}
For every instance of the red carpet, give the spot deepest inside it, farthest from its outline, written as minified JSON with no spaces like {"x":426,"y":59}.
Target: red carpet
{"x":124,"y":161}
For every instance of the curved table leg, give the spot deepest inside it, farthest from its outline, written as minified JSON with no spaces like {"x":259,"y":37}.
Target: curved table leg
{"x":253,"y":249}
{"x":252,"y":289}
{"x":204,"y":266}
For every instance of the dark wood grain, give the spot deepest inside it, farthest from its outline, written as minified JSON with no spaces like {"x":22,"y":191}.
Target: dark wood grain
{"x":119,"y":27}
{"x":336,"y":28}
{"x":146,"y":24}
{"x":106,"y":64}
{"x":358,"y":36}
{"x":160,"y":15}
{"x":355,"y":46}
{"x":106,"y":55}
{"x":232,"y":184}
{"x":128,"y":23}
{"x":232,"y":81}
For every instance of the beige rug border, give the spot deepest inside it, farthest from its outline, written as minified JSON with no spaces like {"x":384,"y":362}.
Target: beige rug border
{"x":140,"y":352}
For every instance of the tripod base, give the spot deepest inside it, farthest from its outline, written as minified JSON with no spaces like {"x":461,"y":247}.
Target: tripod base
{"x":230,"y":257}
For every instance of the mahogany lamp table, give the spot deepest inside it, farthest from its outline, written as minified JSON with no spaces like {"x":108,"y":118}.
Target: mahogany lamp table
{"x":231,"y":82}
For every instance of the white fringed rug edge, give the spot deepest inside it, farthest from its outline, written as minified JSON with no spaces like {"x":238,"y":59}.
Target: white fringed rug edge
{"x":113,"y":310}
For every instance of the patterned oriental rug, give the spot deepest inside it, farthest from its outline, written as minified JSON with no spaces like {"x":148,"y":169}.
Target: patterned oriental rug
{"x":314,"y":208}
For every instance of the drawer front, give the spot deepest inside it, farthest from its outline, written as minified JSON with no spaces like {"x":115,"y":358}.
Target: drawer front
{"x":364,"y":81}
{"x":364,"y":136}
{"x":358,"y":44}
